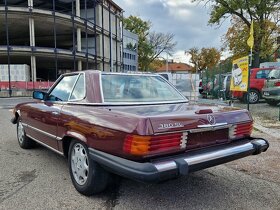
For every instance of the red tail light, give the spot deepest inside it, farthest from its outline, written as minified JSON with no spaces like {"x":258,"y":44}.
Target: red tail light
{"x":144,"y":145}
{"x":240,"y":130}
{"x":277,"y":84}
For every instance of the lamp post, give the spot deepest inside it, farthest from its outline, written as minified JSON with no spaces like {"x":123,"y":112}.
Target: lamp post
{"x":166,"y":63}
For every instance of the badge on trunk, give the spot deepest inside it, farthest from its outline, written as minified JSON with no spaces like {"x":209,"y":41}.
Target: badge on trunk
{"x":211,"y":119}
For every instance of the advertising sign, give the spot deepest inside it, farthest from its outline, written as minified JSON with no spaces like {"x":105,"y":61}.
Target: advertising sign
{"x":239,"y":79}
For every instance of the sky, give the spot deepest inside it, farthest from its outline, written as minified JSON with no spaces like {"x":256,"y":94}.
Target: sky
{"x":186,"y":20}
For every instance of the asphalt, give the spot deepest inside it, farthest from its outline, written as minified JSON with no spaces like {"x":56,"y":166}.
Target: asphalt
{"x":39,"y":179}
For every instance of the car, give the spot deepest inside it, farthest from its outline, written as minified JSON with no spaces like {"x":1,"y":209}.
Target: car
{"x":257,"y":78}
{"x":136,"y":125}
{"x":219,"y":87}
{"x":222,"y":86}
{"x":271,"y":90}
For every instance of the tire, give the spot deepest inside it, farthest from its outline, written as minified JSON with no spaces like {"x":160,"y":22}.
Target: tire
{"x":271,"y":102}
{"x":254,"y":97}
{"x":23,"y":141}
{"x":87,"y":176}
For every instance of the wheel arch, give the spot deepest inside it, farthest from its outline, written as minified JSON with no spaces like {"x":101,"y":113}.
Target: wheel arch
{"x":68,"y":138}
{"x":16,"y":117}
{"x":254,"y":89}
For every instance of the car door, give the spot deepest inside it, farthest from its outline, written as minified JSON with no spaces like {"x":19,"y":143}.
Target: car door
{"x":258,"y":82}
{"x":44,"y":116}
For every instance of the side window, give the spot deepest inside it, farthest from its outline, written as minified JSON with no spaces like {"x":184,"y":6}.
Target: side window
{"x":261,"y":74}
{"x":79,"y":91}
{"x":62,"y":90}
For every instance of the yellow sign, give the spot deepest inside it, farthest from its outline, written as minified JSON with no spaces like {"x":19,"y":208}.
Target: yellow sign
{"x":239,"y":79}
{"x":250,"y":40}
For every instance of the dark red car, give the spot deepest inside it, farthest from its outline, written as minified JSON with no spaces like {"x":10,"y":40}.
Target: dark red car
{"x":257,"y":79}
{"x":134,"y":125}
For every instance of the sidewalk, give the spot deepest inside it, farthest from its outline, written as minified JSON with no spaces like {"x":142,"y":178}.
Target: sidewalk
{"x":269,"y":131}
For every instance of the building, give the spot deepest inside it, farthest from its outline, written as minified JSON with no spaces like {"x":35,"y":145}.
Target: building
{"x":130,"y":54}
{"x":175,"y":68}
{"x":53,"y":37}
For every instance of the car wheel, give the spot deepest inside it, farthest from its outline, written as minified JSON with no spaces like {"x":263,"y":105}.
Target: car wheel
{"x":87,"y":176}
{"x":271,"y":102}
{"x":254,"y":97}
{"x":23,"y":140}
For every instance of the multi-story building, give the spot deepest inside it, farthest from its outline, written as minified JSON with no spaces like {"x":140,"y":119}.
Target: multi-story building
{"x":130,"y":54}
{"x":53,"y":37}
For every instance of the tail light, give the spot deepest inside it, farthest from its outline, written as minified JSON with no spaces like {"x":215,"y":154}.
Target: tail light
{"x":240,"y":130}
{"x":145,"y":145}
{"x":277,"y":84}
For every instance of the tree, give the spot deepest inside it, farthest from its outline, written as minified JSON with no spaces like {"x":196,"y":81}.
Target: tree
{"x":157,"y":63}
{"x":151,"y":44}
{"x":261,"y":12}
{"x":236,"y":39}
{"x":141,"y":28}
{"x":159,"y":43}
{"x":205,"y":58}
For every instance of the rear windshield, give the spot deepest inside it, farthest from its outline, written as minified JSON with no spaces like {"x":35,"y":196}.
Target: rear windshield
{"x":274,"y":74}
{"x":138,"y":88}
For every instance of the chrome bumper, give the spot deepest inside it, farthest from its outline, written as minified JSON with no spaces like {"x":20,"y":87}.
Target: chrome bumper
{"x":174,"y":166}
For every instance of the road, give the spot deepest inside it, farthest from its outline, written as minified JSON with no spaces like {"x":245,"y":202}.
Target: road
{"x":39,"y":179}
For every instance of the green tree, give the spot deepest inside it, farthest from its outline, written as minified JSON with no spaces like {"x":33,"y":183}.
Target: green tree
{"x":236,"y":39}
{"x":141,"y":28}
{"x":261,"y":12}
{"x":206,"y":58}
{"x":151,"y":44}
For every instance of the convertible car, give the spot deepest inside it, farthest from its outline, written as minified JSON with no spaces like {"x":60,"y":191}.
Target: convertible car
{"x":133,"y":125}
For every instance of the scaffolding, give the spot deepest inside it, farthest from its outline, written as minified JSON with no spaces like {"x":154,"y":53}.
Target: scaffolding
{"x":56,"y":36}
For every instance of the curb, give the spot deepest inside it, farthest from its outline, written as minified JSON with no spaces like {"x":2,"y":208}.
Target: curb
{"x":269,"y":131}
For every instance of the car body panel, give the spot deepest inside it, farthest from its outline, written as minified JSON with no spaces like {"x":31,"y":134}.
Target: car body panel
{"x":271,"y":90}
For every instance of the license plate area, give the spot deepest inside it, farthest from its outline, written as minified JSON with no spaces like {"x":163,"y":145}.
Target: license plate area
{"x":207,"y":138}
{"x":266,"y":93}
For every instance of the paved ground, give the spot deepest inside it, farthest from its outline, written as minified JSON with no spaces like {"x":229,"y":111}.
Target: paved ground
{"x":39,"y":179}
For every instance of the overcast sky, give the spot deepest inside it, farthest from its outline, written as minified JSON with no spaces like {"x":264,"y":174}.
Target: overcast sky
{"x":186,"y":20}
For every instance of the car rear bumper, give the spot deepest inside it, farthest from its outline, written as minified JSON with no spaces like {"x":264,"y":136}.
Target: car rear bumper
{"x":271,"y":93}
{"x":175,"y":166}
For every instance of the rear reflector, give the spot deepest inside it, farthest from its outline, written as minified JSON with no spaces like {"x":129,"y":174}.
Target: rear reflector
{"x":144,"y":145}
{"x":240,"y":130}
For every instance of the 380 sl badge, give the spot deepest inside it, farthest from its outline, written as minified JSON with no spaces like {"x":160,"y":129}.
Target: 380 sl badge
{"x":170,"y":125}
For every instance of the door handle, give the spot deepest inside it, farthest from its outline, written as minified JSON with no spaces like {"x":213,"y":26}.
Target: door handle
{"x":55,"y":113}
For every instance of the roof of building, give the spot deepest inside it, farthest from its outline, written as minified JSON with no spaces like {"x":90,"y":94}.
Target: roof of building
{"x":117,"y":6}
{"x":175,"y":67}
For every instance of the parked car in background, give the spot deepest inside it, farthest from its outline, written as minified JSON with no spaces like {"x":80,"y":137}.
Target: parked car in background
{"x":271,"y":90}
{"x":219,"y":87}
{"x":257,"y":79}
{"x":134,"y":125}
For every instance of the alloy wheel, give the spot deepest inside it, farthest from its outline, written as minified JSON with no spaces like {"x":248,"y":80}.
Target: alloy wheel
{"x":79,"y":163}
{"x":20,"y":133}
{"x":253,"y":97}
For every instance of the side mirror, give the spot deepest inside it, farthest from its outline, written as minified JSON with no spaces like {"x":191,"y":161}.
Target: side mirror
{"x":39,"y":95}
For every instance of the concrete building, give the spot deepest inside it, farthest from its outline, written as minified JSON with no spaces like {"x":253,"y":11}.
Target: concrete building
{"x":130,"y":54}
{"x":53,"y":37}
